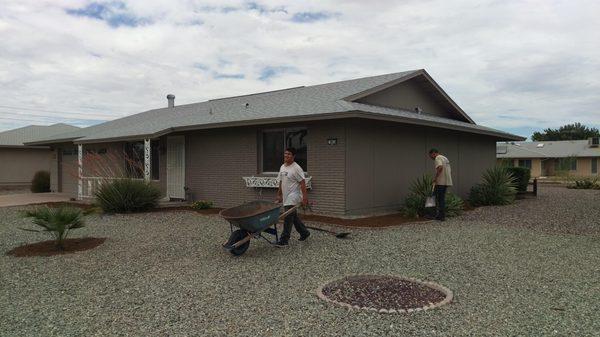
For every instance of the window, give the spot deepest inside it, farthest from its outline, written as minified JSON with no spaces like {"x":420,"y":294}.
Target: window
{"x":525,"y":163}
{"x":134,"y":159}
{"x":594,"y":165}
{"x":274,"y":143}
{"x":566,"y":164}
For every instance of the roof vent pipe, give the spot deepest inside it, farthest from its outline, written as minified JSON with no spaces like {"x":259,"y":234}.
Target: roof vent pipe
{"x":171,"y":99}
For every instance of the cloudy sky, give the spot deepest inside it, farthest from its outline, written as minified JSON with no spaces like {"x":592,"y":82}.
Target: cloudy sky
{"x":519,"y":66}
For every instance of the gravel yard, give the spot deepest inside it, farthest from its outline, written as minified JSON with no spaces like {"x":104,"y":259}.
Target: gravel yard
{"x":532,"y":268}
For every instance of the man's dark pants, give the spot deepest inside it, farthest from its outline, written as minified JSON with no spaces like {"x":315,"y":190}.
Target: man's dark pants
{"x":290,"y":219}
{"x":440,"y":201}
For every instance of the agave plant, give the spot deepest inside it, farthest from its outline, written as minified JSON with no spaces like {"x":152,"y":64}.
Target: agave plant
{"x":420,"y":189}
{"x":499,"y":187}
{"x":57,"y":221}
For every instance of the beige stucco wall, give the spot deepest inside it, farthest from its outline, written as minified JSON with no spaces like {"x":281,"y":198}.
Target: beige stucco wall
{"x":546,"y":167}
{"x":18,"y":165}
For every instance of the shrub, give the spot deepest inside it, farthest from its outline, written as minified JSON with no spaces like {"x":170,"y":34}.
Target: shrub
{"x":202,"y":204}
{"x":498,"y":188}
{"x":414,"y":205}
{"x":522,"y":176}
{"x":58,"y":221}
{"x":40,"y":182}
{"x":126,"y":196}
{"x":586,"y":184}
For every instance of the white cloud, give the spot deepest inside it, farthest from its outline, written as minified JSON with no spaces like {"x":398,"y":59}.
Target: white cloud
{"x":499,"y":60}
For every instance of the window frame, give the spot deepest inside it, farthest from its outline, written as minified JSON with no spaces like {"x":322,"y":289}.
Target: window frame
{"x":594,"y":165}
{"x":525,"y":162}
{"x":261,"y":147}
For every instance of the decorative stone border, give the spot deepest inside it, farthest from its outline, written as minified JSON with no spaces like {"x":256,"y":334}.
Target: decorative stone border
{"x":446,"y":300}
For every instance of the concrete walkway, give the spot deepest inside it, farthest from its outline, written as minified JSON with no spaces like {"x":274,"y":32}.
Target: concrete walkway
{"x":31,"y":198}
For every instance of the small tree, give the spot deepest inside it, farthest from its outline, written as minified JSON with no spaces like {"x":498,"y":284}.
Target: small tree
{"x":575,"y":131}
{"x":57,"y":221}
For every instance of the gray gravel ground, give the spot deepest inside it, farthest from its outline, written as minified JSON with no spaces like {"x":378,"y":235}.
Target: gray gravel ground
{"x":529,"y":269}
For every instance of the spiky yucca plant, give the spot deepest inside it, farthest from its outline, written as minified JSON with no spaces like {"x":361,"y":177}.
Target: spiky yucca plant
{"x":127,"y":195}
{"x":57,"y":221}
{"x":420,"y":189}
{"x":499,"y":187}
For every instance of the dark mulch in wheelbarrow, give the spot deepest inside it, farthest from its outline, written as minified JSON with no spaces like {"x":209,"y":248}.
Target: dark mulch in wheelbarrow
{"x":382,"y":292}
{"x":48,"y":248}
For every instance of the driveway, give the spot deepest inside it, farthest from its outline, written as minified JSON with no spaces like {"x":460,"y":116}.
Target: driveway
{"x":528,"y":269}
{"x":31,"y":198}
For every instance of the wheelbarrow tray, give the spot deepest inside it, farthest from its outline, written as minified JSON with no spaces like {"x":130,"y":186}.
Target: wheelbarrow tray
{"x":254,"y":216}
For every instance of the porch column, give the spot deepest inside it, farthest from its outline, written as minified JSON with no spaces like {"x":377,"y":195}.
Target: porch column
{"x":147,"y":160}
{"x":79,"y":171}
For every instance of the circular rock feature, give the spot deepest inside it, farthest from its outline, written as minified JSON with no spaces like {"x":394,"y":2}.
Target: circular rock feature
{"x":385,"y":294}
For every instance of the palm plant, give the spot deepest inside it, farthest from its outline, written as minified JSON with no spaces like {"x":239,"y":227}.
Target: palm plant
{"x":499,"y":187}
{"x":57,"y":221}
{"x":420,"y":189}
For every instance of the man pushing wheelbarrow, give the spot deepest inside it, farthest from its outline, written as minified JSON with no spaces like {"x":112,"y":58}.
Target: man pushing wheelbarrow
{"x":256,"y":217}
{"x":292,"y":192}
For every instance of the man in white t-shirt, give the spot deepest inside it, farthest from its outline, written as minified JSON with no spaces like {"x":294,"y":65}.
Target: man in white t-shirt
{"x":441,"y":181}
{"x":292,"y":191}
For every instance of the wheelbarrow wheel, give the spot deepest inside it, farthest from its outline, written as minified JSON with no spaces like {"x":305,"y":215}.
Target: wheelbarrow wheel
{"x":235,"y":237}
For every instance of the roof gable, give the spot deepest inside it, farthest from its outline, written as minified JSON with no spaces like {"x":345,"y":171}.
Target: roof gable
{"x":416,"y":92}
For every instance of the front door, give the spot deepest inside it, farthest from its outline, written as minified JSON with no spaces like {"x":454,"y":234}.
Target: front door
{"x":176,"y":167}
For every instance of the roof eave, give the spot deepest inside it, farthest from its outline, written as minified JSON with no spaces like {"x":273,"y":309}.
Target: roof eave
{"x":23,"y":147}
{"x":51,"y":141}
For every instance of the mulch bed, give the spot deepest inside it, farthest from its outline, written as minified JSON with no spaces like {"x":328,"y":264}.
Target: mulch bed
{"x":374,"y":221}
{"x":381,"y":292}
{"x":388,"y":220}
{"x":47,"y":248}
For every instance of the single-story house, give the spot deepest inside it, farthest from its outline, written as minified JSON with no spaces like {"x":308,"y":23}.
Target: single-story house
{"x":362,"y":142}
{"x":20,"y":162}
{"x":574,"y":157}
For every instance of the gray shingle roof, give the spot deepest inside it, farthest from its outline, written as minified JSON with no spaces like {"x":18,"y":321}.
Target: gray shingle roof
{"x":32,"y":133}
{"x":554,"y":149}
{"x":310,"y":102}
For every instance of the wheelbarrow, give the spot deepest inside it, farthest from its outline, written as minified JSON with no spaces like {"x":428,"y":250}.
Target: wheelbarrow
{"x":253,"y":219}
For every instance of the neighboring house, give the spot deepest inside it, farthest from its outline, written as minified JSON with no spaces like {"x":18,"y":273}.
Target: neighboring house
{"x":574,"y":157}
{"x":19,"y":162}
{"x":362,"y":142}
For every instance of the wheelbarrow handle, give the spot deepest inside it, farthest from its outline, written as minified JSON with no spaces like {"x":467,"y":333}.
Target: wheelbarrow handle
{"x":288,"y":212}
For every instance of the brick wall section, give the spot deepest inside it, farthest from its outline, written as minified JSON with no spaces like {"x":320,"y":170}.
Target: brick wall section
{"x":216,"y":161}
{"x":327,"y":166}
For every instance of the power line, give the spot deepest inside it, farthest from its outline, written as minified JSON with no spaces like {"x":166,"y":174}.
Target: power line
{"x":51,"y":116}
{"x":40,"y":121}
{"x":53,"y":111}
